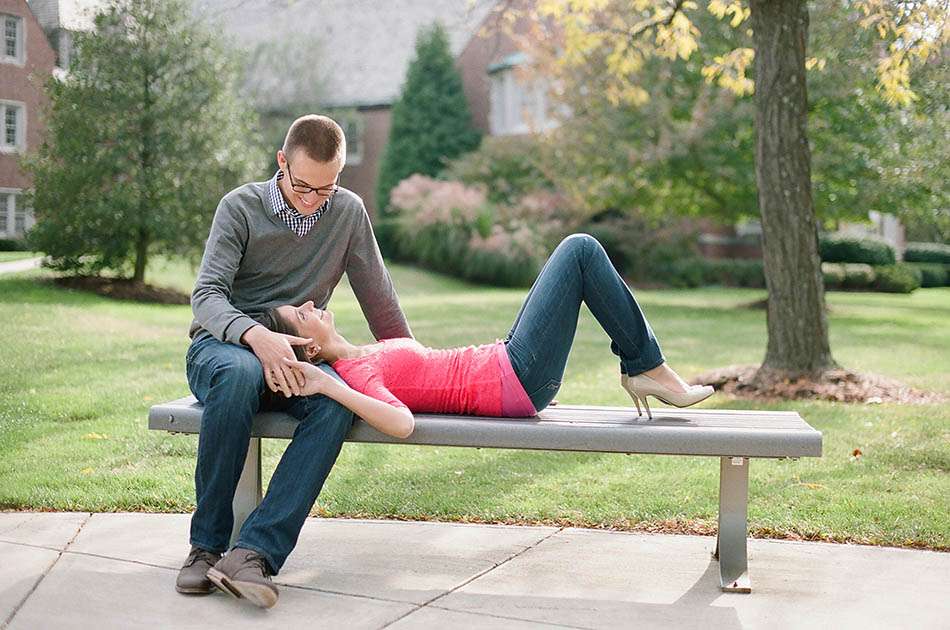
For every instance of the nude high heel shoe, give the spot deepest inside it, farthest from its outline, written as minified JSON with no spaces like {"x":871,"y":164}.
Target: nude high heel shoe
{"x":641,"y":386}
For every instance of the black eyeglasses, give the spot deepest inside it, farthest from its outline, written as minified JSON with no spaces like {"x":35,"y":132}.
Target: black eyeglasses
{"x":323,"y":191}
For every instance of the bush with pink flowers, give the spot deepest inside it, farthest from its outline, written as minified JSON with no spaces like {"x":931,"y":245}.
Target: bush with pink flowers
{"x":451,"y":227}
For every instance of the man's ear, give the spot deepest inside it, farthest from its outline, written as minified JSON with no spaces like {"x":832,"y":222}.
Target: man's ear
{"x":312,"y":350}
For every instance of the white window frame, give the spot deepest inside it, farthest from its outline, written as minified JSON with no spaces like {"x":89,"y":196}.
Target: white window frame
{"x":20,"y":145}
{"x":8,"y":213}
{"x":518,"y":106}
{"x":354,"y":129}
{"x":20,"y":58}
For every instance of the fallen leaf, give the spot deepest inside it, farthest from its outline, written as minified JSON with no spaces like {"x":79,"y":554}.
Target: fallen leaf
{"x":95,"y":436}
{"x":87,"y":471}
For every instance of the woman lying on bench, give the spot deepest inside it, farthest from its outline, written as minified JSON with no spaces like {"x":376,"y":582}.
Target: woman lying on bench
{"x":390,"y":379}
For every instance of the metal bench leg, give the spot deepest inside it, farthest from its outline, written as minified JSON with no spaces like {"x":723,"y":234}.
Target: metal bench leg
{"x":733,"y":526}
{"x":248,"y":494}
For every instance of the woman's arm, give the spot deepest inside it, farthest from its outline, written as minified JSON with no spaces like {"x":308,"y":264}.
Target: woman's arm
{"x":395,"y":421}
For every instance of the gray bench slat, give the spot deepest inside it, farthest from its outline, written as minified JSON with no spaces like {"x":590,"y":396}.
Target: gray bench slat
{"x":568,"y":428}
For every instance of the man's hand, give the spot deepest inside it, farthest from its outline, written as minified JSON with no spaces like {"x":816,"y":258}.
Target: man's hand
{"x":317,"y":381}
{"x":271,"y":348}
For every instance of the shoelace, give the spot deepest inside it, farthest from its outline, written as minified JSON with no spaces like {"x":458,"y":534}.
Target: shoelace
{"x":202,"y":554}
{"x":259,"y":561}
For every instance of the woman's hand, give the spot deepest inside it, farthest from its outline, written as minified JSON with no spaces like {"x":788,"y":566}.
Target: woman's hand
{"x":316,"y":381}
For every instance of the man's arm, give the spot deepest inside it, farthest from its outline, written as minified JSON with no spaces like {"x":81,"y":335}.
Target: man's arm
{"x":211,"y":298}
{"x":211,"y":303}
{"x":372,"y":284}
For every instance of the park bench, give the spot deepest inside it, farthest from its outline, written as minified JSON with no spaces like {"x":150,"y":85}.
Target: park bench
{"x":733,"y":436}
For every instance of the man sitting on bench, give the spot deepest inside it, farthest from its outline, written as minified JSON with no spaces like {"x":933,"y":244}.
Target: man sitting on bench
{"x":285,"y":240}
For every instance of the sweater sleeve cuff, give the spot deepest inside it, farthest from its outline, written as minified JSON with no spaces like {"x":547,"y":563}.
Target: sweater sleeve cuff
{"x":236,"y":329}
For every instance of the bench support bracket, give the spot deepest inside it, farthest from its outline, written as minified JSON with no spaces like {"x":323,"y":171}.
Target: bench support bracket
{"x":733,"y":525}
{"x":248,"y":494}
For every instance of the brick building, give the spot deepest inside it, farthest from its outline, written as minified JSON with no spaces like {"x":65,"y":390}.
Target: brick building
{"x":26,"y":62}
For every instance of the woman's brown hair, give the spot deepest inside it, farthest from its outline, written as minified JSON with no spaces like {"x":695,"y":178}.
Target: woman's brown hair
{"x":275,"y":322}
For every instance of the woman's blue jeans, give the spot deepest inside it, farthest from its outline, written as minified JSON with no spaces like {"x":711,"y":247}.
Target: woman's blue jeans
{"x":229,"y":381}
{"x":541,"y":338}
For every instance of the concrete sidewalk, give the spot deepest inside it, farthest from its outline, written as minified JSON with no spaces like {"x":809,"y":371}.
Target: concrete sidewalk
{"x":80,"y":570}
{"x":15,"y":266}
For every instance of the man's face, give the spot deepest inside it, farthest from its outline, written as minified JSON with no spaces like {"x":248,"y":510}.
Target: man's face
{"x":310,"y":173}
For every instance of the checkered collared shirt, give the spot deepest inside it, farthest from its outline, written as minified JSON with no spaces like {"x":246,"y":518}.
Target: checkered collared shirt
{"x":299,"y":223}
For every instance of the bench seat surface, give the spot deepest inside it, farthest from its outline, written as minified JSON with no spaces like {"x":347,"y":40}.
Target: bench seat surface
{"x":713,"y":432}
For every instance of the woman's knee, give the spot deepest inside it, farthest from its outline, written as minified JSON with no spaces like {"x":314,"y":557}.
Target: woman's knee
{"x":583,"y":244}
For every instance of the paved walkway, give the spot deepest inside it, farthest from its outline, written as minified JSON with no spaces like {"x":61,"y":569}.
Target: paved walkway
{"x":80,"y":570}
{"x":20,"y":265}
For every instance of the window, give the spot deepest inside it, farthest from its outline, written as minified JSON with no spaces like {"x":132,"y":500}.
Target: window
{"x":12,"y":127}
{"x":15,"y":218}
{"x":13,"y":48}
{"x":353,"y":130}
{"x":518,"y":105}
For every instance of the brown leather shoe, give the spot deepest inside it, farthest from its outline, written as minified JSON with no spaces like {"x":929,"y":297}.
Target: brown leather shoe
{"x":244,"y":573}
{"x":193,"y":577}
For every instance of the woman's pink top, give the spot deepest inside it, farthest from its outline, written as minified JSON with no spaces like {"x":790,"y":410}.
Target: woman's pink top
{"x":474,"y":380}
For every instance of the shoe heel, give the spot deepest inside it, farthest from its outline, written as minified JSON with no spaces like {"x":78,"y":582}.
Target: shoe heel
{"x":636,"y":400}
{"x":647,"y":405}
{"x":221,"y":581}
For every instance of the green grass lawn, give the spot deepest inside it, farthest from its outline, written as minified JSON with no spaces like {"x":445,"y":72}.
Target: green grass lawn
{"x":11,"y":256}
{"x":78,"y":373}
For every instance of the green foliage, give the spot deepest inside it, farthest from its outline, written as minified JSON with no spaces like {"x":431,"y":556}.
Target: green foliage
{"x":728,"y":272}
{"x":899,"y":278}
{"x":927,"y":253}
{"x":932,"y":274}
{"x":509,"y":167}
{"x":850,"y":249}
{"x":644,"y":248}
{"x":430,"y":120}
{"x":689,"y":149}
{"x":735,"y":272}
{"x":143,"y":137}
{"x":13,"y":245}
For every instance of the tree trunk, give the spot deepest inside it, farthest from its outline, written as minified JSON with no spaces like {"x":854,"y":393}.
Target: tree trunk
{"x":797,"y":326}
{"x":141,"y":256}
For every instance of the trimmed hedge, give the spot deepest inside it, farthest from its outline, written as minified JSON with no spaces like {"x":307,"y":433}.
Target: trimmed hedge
{"x":932,"y":274}
{"x":927,"y":253}
{"x":833,"y":274}
{"x":730,"y":272}
{"x":13,"y":245}
{"x":849,"y":249}
{"x":858,"y":276}
{"x":899,"y":278}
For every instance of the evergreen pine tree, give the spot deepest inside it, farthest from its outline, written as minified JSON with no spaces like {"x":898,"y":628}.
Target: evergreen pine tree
{"x":144,"y":135}
{"x":431,"y":122}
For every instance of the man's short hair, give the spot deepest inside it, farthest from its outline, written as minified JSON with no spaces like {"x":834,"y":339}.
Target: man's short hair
{"x":319,"y":137}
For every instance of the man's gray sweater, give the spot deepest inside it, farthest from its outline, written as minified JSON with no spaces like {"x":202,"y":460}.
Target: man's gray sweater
{"x":253,"y":261}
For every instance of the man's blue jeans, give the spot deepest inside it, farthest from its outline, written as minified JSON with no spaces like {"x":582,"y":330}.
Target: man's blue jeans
{"x":229,"y":382}
{"x":541,"y":338}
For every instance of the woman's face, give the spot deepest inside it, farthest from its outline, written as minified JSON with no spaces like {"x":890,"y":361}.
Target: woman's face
{"x":309,"y":321}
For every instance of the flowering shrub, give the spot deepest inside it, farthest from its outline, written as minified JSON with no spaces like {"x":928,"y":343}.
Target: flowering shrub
{"x":453,"y":228}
